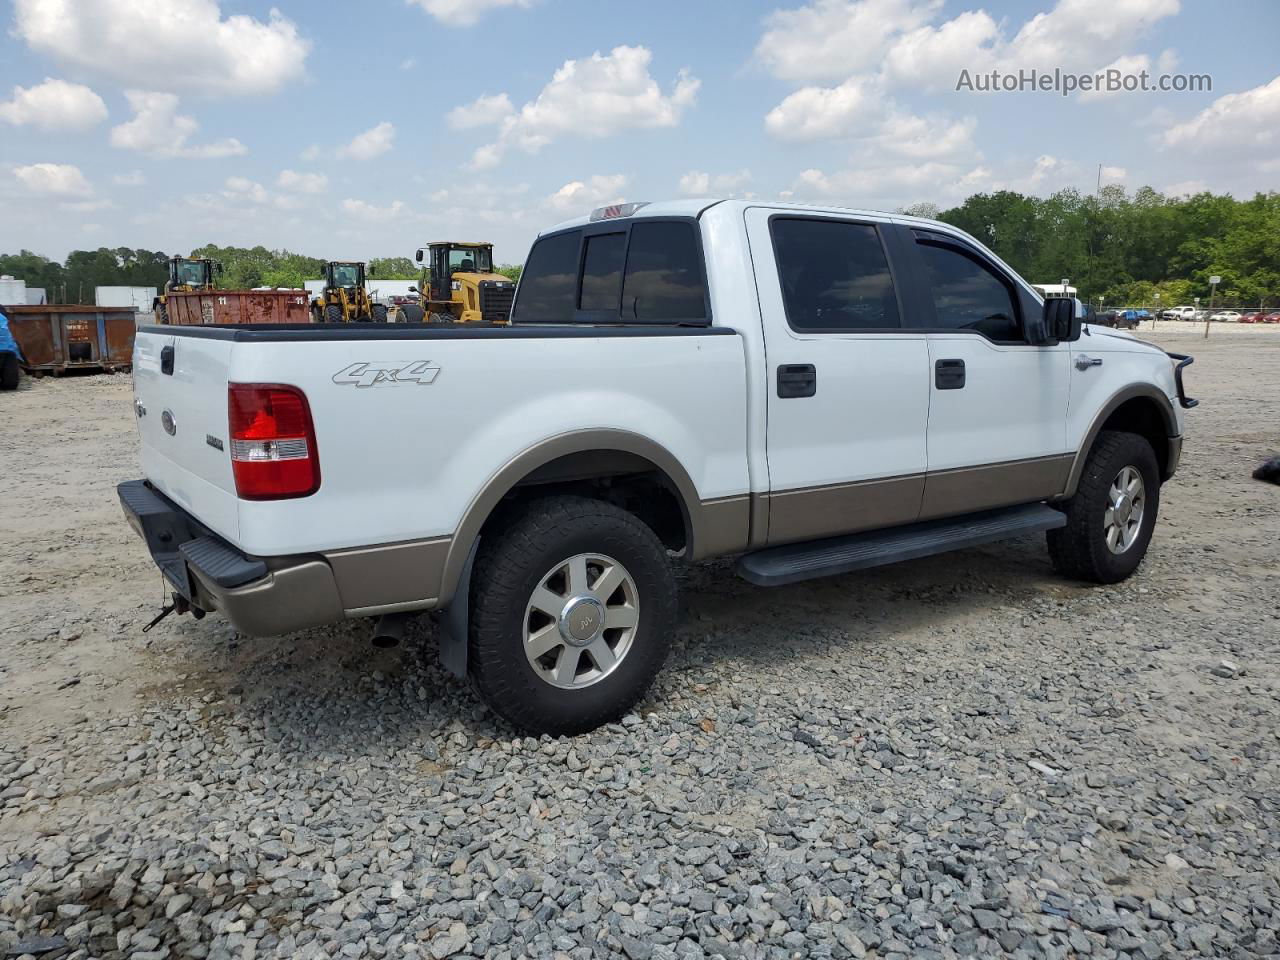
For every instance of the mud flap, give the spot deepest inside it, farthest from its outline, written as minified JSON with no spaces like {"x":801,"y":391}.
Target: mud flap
{"x":455,"y":622}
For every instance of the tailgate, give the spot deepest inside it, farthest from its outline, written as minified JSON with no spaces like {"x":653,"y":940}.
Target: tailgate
{"x":180,"y":399}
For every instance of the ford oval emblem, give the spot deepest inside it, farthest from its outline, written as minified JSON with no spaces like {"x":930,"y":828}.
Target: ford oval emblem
{"x":170,"y":425}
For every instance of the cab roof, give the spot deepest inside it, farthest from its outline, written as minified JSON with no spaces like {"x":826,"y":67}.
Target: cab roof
{"x":695,"y":207}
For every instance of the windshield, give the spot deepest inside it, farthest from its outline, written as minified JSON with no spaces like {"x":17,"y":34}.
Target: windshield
{"x":346,"y":275}
{"x":190,"y":271}
{"x":470,"y":260}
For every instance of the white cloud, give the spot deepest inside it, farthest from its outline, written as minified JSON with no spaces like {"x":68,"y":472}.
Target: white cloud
{"x":924,"y":138}
{"x":374,"y":142}
{"x":1114,"y":174}
{"x":1185,"y":188}
{"x":1167,"y":62}
{"x":818,"y":113}
{"x":54,"y":105}
{"x":580,"y":197}
{"x":244,"y":188}
{"x":484,"y":111}
{"x":595,"y":96}
{"x":134,"y":178}
{"x":861,"y":185}
{"x":56,"y":179}
{"x":367,"y":211}
{"x":408,"y":63}
{"x":86,"y":206}
{"x":1235,"y":122}
{"x":938,"y":54}
{"x":157,"y":128}
{"x":302,"y":182}
{"x":829,"y":40}
{"x":187,"y":43}
{"x":697,"y":183}
{"x":1128,"y":65}
{"x":464,"y":13}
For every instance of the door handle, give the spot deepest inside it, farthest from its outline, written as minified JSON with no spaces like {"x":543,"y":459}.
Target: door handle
{"x":1084,"y":363}
{"x":166,"y":360}
{"x":948,"y":374}
{"x":797,"y":380}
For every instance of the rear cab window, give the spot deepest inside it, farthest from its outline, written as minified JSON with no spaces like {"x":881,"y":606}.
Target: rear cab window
{"x":640,"y":270}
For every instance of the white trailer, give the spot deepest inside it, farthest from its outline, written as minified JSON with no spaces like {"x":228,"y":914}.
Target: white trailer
{"x":139,"y":298}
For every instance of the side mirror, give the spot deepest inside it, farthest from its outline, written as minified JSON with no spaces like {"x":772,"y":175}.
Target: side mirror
{"x":220,"y":268}
{"x":417,"y":255}
{"x":413,"y":289}
{"x":1062,"y":321}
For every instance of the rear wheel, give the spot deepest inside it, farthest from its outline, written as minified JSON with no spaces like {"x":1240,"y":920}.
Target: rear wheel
{"x":572,"y":607}
{"x":411,"y":313}
{"x":379,"y":313}
{"x":333,"y":313}
{"x":8,"y":371}
{"x":1113,"y":513}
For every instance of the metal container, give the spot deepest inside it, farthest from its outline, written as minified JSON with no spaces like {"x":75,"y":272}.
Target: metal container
{"x":58,"y":338}
{"x":238,"y":306}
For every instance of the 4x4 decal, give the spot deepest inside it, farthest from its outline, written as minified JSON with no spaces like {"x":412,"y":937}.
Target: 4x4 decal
{"x":386,"y":373}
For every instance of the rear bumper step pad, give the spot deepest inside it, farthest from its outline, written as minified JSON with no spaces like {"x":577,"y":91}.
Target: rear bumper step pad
{"x":792,"y":563}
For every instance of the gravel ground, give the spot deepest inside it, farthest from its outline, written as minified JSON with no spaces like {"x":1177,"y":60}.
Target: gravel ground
{"x":960,"y":756}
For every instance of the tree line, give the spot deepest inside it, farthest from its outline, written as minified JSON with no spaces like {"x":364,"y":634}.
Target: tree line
{"x":74,"y":280}
{"x":1120,"y":248}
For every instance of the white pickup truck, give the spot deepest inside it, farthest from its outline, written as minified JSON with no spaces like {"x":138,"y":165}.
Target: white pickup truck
{"x":815,"y":390}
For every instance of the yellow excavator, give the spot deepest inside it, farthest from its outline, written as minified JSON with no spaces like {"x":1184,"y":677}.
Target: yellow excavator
{"x":344,"y":297}
{"x":458,"y":285}
{"x":185,"y":275}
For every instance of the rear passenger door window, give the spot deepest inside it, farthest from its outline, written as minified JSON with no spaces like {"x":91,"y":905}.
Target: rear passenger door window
{"x":834,"y":276}
{"x":549,"y":282}
{"x":969,"y":295}
{"x":664,"y":274}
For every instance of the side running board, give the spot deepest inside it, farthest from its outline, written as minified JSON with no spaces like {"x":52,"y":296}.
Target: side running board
{"x":794,"y":562}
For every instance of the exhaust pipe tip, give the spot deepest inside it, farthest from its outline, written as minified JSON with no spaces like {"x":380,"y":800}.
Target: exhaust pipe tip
{"x":390,"y":629}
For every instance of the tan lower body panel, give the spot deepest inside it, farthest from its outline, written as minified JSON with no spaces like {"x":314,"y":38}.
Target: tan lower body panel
{"x":722,"y":526}
{"x":816,"y":512}
{"x":966,"y":489}
{"x":391,"y":575}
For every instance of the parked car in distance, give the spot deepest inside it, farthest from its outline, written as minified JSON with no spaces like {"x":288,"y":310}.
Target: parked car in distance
{"x":1123,"y":319}
{"x":1226,"y":316}
{"x":1271,"y":318}
{"x":1179,"y":313}
{"x":680,"y":380}
{"x":1257,"y":316}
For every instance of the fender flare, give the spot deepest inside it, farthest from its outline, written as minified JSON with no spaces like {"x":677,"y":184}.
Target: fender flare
{"x":508,"y":477}
{"x":1134,"y":391}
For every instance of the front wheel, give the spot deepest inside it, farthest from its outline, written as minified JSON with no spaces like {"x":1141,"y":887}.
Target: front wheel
{"x":1113,"y":513}
{"x":333,"y":313}
{"x":379,"y":313}
{"x":572,"y":606}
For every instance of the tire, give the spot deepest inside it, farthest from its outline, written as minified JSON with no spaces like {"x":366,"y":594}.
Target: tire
{"x":8,"y":371}
{"x":518,"y":564}
{"x":333,"y":313}
{"x":1087,"y":548}
{"x":441,"y":317}
{"x":162,"y":314}
{"x":379,"y":313}
{"x":412,"y":313}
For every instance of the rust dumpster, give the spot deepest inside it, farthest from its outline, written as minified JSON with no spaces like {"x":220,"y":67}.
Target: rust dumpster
{"x":55,"y":338}
{"x":238,"y":306}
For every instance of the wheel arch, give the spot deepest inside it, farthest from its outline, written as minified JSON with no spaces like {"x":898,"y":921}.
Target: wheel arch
{"x":584,"y":456}
{"x":1138,"y":408}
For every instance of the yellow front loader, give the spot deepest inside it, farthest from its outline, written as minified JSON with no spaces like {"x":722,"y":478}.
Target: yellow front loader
{"x":458,"y":285}
{"x":344,"y":298}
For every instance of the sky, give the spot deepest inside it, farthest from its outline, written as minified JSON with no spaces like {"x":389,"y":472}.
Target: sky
{"x":350,"y":130}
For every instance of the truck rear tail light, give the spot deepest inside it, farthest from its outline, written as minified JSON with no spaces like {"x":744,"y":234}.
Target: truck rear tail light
{"x":273,"y":442}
